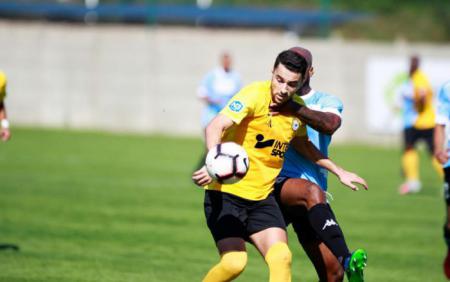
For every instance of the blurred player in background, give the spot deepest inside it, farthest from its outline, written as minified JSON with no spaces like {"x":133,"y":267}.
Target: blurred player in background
{"x":217,"y":88}
{"x":441,"y":152}
{"x":247,"y":210}
{"x":5,"y":133}
{"x":301,"y":187}
{"x":416,"y":100}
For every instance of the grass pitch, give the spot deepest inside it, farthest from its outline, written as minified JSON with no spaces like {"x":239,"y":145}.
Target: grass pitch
{"x":86,"y":206}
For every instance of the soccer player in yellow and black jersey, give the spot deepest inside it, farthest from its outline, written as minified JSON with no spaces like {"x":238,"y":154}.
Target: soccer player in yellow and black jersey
{"x":5,"y":134}
{"x":247,"y":210}
{"x":264,"y":137}
{"x":416,"y":99}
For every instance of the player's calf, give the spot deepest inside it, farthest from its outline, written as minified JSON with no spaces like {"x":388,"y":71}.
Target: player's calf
{"x":327,"y":266}
{"x":327,"y":228}
{"x":230,"y":266}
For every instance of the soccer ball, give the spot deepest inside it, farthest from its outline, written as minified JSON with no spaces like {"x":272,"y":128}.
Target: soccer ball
{"x":227,"y":162}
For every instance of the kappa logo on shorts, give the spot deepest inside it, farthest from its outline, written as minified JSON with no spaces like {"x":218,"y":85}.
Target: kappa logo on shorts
{"x":236,"y":106}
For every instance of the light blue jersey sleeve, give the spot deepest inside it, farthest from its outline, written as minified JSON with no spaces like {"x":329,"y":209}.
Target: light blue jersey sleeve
{"x":443,"y":105}
{"x":406,"y":103}
{"x":331,"y":104}
{"x":206,"y":90}
{"x":218,"y":87}
{"x":443,"y":112}
{"x":295,"y":165}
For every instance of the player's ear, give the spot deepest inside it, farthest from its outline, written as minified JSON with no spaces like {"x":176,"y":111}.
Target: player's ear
{"x":311,"y":71}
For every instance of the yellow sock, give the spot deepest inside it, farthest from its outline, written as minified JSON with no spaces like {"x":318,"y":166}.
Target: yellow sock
{"x":230,"y":266}
{"x":279,"y":259}
{"x":410,"y":162}
{"x":438,"y":167}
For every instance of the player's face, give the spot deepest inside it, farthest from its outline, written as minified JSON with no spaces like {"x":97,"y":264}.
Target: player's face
{"x":414,"y":64}
{"x":284,"y":84}
{"x":226,"y":62}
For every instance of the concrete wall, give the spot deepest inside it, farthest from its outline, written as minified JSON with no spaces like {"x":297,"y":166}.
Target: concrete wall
{"x":144,"y":79}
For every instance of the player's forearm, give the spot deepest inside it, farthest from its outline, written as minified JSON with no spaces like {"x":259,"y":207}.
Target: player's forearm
{"x":215,"y":130}
{"x":307,"y":149}
{"x":323,"y":122}
{"x":330,"y":166}
{"x":213,"y":136}
{"x":439,"y":138}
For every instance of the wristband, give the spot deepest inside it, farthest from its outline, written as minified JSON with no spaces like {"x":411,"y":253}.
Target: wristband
{"x":5,"y":123}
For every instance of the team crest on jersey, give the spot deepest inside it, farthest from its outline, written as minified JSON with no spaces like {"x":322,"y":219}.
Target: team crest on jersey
{"x":236,"y":106}
{"x":295,"y":124}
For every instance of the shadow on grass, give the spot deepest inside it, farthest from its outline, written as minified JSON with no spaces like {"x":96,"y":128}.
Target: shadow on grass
{"x":6,"y":246}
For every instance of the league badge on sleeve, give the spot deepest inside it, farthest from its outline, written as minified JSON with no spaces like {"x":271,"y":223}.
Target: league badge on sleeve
{"x":295,"y":124}
{"x":236,"y":106}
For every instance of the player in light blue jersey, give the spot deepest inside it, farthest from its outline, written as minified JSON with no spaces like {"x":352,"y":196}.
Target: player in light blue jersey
{"x":217,"y":87}
{"x":441,"y":152}
{"x":295,"y":165}
{"x":301,"y":188}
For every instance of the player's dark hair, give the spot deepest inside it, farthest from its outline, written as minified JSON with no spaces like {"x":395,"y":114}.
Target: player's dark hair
{"x":292,"y":61}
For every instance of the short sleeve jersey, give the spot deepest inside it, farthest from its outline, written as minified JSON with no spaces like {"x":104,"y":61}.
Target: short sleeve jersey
{"x":413,"y":116}
{"x":443,"y":112}
{"x":295,"y":165}
{"x":219,"y":86}
{"x":264,"y":137}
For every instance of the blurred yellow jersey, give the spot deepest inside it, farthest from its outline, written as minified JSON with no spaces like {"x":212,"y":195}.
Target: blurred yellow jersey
{"x":426,"y":114}
{"x":3,"y":81}
{"x":263,"y":136}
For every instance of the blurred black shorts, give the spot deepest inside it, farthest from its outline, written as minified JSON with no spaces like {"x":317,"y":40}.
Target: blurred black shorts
{"x":228,"y":215}
{"x":412,"y":135}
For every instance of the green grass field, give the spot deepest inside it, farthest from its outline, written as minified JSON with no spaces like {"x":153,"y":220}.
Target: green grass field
{"x":88,"y":206}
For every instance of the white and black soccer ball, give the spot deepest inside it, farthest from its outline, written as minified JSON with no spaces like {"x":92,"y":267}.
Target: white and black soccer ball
{"x":227,"y":162}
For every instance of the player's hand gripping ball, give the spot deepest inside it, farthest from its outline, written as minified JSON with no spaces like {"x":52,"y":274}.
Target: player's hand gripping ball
{"x":227,"y":162}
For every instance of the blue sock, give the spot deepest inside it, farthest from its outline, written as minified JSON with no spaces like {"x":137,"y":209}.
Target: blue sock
{"x":346,"y":263}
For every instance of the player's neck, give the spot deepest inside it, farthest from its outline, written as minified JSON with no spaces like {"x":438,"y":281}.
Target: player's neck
{"x":305,"y":89}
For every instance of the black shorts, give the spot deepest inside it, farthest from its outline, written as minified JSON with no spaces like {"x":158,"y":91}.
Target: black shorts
{"x":412,"y":135}
{"x":297,"y":217}
{"x":231,"y":216}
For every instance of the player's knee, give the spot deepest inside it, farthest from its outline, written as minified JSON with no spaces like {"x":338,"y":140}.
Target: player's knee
{"x":316,"y":195}
{"x":279,"y":255}
{"x":234,"y":262}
